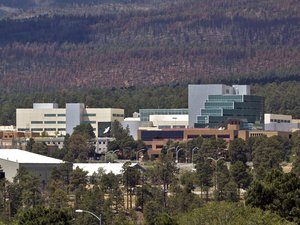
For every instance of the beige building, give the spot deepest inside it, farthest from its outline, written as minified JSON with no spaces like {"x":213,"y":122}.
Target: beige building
{"x":48,"y":118}
{"x":277,"y":118}
{"x":169,"y":121}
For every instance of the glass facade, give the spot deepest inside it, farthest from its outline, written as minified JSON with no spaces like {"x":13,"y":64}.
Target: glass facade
{"x":147,"y":135}
{"x":145,"y":113}
{"x":247,"y":109}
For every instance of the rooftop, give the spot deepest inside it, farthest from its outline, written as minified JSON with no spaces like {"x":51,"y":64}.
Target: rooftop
{"x":115,"y":168}
{"x":21,"y":156}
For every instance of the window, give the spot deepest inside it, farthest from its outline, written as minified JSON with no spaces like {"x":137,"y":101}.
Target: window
{"x":61,"y":129}
{"x":89,"y":122}
{"x":36,"y":122}
{"x":89,"y":114}
{"x":191,"y":136}
{"x":118,"y":115}
{"x":23,"y":129}
{"x":223,"y":136}
{"x":49,"y":115}
{"x":61,"y":114}
{"x":61,"y":122}
{"x":50,"y":129}
{"x":50,"y":122}
{"x":36,"y":129}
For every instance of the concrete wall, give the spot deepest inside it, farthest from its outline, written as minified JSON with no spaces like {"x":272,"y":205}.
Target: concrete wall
{"x":197,"y":95}
{"x":134,"y":126}
{"x":62,"y":121}
{"x":41,"y":170}
{"x":282,"y":126}
{"x":10,"y":168}
{"x":278,"y":118}
{"x":73,"y":116}
{"x":173,"y":121}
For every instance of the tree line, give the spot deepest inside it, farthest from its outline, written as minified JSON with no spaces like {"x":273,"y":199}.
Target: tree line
{"x":163,"y":194}
{"x":281,"y":97}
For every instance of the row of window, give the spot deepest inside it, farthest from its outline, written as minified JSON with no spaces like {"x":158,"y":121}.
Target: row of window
{"x":58,"y":122}
{"x":63,"y":114}
{"x":48,"y":122}
{"x":89,"y":114}
{"x":90,"y":122}
{"x":54,"y":115}
{"x":280,"y":121}
{"x":118,"y":115}
{"x":41,"y":129}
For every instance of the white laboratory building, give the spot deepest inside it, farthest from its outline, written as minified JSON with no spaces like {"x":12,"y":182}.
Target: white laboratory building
{"x":48,"y":118}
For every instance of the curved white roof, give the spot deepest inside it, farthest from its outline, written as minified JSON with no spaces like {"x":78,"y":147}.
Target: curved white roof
{"x":115,"y":168}
{"x":21,"y":156}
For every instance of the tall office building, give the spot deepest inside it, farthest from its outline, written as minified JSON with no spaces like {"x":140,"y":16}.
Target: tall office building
{"x":212,"y":105}
{"x":47,"y":117}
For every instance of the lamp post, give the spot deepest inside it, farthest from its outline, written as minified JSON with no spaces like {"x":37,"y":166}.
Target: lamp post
{"x":111,"y":151}
{"x":177,"y":151}
{"x":85,"y":211}
{"x":216,"y":162}
{"x":169,"y":149}
{"x":193,"y":151}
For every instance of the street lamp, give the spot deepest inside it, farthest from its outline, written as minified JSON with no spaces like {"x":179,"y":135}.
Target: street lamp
{"x":177,"y":151}
{"x":216,"y":172}
{"x":85,"y":211}
{"x":193,"y":151}
{"x":111,"y":151}
{"x":170,"y":150}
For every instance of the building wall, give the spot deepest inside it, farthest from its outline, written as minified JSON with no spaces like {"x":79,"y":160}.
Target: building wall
{"x":73,"y":116}
{"x":198,"y":94}
{"x":58,"y":122}
{"x":134,"y":126}
{"x":169,"y":121}
{"x":39,"y":120}
{"x":281,"y":126}
{"x":41,"y":170}
{"x":10,"y":168}
{"x":145,"y":113}
{"x":277,"y":118}
{"x":103,"y":115}
{"x":155,"y":140}
{"x":270,"y":133}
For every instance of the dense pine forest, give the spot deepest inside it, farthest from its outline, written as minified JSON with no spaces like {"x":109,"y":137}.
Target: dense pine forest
{"x":49,"y":45}
{"x":142,"y":54}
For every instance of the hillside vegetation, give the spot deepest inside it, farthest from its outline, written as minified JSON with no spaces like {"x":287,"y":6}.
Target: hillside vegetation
{"x":49,"y":45}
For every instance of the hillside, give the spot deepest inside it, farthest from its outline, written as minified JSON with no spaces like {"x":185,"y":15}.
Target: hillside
{"x":51,"y":44}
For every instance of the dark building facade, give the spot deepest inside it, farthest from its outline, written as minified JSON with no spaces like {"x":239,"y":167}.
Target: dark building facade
{"x":218,"y":109}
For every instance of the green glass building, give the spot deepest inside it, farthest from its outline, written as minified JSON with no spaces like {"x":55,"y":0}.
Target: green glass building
{"x":218,"y":109}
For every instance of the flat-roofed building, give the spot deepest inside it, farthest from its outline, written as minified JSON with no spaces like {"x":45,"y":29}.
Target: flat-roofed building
{"x":268,"y":133}
{"x":156,"y":139}
{"x":13,"y":159}
{"x":211,"y":105}
{"x":146,"y":113}
{"x":279,"y":122}
{"x":169,"y":121}
{"x":48,"y":118}
{"x":115,"y":168}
